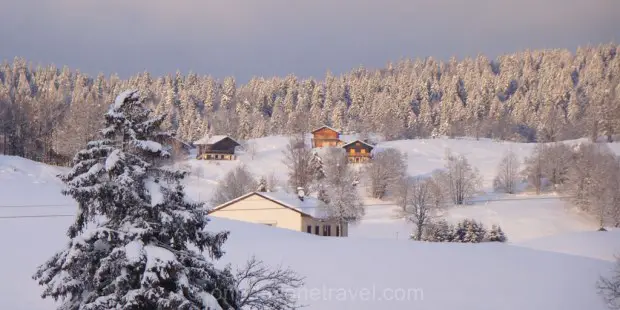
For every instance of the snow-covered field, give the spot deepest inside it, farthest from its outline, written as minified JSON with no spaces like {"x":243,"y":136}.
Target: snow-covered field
{"x":552,"y":261}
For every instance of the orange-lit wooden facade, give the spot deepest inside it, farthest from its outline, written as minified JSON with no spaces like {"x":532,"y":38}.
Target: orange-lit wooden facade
{"x":358,"y":151}
{"x":326,"y":137}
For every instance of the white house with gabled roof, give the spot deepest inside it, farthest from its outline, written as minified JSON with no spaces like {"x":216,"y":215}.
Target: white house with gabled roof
{"x":283,"y":210}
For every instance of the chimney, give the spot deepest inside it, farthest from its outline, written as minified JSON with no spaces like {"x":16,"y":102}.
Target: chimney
{"x":301,"y":193}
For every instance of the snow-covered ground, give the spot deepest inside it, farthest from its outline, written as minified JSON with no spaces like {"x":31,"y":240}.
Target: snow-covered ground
{"x":552,"y":261}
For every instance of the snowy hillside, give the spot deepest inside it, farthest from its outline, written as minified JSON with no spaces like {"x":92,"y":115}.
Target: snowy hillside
{"x":521,"y":219}
{"x":552,"y":261}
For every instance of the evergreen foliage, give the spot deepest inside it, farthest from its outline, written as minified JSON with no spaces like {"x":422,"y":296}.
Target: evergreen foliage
{"x":46,"y":113}
{"x":129,"y":246}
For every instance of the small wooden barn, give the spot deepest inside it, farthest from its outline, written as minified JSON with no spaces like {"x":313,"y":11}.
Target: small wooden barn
{"x":358,"y":151}
{"x":216,"y":148}
{"x":326,"y":136}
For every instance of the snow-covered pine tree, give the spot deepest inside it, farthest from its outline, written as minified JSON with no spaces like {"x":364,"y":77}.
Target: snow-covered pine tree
{"x":317,"y":167}
{"x":438,"y":231}
{"x":496,"y":234}
{"x":262,"y":185}
{"x":474,"y":232}
{"x":129,"y":246}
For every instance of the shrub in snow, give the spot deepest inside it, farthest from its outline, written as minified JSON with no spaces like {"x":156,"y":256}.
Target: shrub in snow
{"x":469,"y":231}
{"x":263,"y":288}
{"x":129,"y":244}
{"x":609,"y":288}
{"x":438,"y":231}
{"x":496,"y":234}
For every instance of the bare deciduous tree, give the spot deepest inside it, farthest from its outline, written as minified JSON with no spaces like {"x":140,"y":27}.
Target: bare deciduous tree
{"x":298,"y":158}
{"x":534,"y":168}
{"x":507,"y":173}
{"x":262,"y":288}
{"x":235,"y":183}
{"x":609,"y":288}
{"x":594,"y":182}
{"x":421,"y":202}
{"x":386,"y":169}
{"x":556,"y":162}
{"x":460,"y":180}
{"x":251,"y":149}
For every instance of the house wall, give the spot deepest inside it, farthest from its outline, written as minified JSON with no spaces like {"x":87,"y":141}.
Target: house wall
{"x":308,"y":221}
{"x":326,"y":133}
{"x":358,"y":152}
{"x":325,"y":137}
{"x":256,"y":209}
{"x":358,"y":149}
{"x":222,"y":150}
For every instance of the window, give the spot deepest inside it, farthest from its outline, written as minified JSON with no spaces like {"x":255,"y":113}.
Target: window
{"x":363,"y":151}
{"x":316,"y":230}
{"x":338,"y":231}
{"x":327,"y":230}
{"x":309,"y":229}
{"x":357,"y":143}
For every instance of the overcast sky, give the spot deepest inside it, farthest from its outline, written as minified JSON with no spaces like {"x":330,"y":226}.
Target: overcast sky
{"x":248,"y":38}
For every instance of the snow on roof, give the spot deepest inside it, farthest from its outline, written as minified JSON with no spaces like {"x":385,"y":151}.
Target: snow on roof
{"x":212,"y":140}
{"x":324,"y":126}
{"x":310,"y":206}
{"x":369,"y":145}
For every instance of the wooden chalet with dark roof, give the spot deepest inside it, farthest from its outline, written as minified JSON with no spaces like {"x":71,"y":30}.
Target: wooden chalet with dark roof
{"x":326,"y":136}
{"x":358,"y":151}
{"x":216,"y":147}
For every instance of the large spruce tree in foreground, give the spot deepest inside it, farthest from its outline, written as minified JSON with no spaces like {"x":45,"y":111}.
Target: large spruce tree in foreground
{"x":130,"y":243}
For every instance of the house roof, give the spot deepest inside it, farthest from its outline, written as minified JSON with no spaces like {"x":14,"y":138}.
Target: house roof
{"x":360,"y":141}
{"x":212,"y":140}
{"x":310,"y":206}
{"x":324,"y":126}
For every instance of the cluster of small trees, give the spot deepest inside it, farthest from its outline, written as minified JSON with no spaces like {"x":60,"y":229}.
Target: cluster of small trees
{"x":466,"y":231}
{"x":539,"y":95}
{"x":586,"y":174}
{"x":136,"y":242}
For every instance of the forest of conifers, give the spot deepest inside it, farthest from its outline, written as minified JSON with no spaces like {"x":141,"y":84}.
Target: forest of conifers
{"x":48,"y":113}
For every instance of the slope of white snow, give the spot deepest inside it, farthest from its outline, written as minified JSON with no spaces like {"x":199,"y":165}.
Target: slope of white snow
{"x":552,"y":261}
{"x":357,"y":273}
{"x":594,"y":244}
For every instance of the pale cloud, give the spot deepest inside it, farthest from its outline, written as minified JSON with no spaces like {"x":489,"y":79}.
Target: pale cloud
{"x":277,"y":37}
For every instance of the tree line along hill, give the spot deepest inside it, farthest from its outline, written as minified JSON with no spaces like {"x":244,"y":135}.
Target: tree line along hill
{"x":48,"y":113}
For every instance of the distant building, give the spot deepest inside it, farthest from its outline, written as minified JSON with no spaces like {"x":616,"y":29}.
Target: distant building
{"x":358,"y":151}
{"x":326,"y":136}
{"x":178,"y":149}
{"x":283,"y":210}
{"x":216,"y":147}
